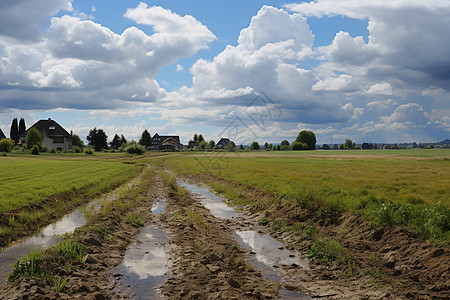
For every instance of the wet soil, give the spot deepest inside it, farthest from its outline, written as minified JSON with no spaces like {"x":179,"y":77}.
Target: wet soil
{"x":208,"y":262}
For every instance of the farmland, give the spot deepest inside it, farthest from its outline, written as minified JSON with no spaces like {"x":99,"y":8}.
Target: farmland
{"x":395,"y":187}
{"x":378,"y":220}
{"x":33,"y":190}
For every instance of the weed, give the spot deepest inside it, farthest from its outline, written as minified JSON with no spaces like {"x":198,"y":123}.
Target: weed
{"x":60,"y":284}
{"x":12,"y":220}
{"x":310,"y":231}
{"x":198,"y":245}
{"x":375,"y":273}
{"x":30,"y":265}
{"x":278,"y":225}
{"x":69,"y":250}
{"x":135,"y":220}
{"x":263,"y":221}
{"x":352,"y":268}
{"x":297,"y":228}
{"x":325,"y":251}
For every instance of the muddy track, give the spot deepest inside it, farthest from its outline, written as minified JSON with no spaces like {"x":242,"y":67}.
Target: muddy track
{"x":209,"y":264}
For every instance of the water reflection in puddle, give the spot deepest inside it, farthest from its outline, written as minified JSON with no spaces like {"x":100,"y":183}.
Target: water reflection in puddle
{"x":146,"y":265}
{"x":49,"y":235}
{"x":159,"y":206}
{"x":214,"y":203}
{"x":268,"y":254}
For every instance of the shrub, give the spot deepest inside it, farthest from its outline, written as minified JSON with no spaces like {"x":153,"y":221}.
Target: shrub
{"x":35,"y":150}
{"x":44,"y":149}
{"x":134,"y":148}
{"x":88,"y":151}
{"x":76,"y":149}
{"x":52,"y":151}
{"x":299,"y":146}
{"x":6,"y":145}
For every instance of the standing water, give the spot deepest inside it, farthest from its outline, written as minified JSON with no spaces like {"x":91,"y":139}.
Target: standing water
{"x":51,"y":234}
{"x":146,"y":265}
{"x":267,"y":255}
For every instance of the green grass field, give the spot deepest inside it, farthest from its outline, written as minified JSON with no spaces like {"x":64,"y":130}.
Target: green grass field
{"x":27,"y":180}
{"x":411,"y":190}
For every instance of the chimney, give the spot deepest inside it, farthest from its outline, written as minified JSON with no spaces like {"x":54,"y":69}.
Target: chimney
{"x":71,"y":133}
{"x":49,"y":119}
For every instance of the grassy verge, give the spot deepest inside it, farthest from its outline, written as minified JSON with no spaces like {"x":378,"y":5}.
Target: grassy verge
{"x":409,"y":192}
{"x":36,"y":191}
{"x":54,"y":266}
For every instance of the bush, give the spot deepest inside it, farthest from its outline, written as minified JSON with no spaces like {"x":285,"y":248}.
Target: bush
{"x":35,"y":150}
{"x":88,"y":151}
{"x":44,"y":149}
{"x":6,"y":145}
{"x":76,"y":149}
{"x":134,"y":148}
{"x":299,"y":146}
{"x":52,"y":151}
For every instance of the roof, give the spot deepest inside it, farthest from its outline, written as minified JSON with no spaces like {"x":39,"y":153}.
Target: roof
{"x":224,"y":142}
{"x":2,"y":136}
{"x":171,"y":142}
{"x":51,"y":128}
{"x":165,"y":137}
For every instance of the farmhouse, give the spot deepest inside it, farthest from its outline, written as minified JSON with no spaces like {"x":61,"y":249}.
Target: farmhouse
{"x":223,"y":143}
{"x":2,"y":136}
{"x":166,"y":142}
{"x":54,"y":136}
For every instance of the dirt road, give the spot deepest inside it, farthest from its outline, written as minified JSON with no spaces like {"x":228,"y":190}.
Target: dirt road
{"x":208,"y":263}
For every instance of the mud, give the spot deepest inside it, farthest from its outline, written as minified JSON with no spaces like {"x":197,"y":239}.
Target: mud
{"x":208,"y":263}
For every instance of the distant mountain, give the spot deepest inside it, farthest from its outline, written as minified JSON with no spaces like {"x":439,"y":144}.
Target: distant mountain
{"x":444,"y":142}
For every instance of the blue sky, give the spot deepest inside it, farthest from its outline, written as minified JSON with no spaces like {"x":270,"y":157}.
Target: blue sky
{"x":372,"y":71}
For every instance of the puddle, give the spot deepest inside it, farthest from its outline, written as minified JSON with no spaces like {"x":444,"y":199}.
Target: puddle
{"x":50,"y":235}
{"x":269,"y":254}
{"x":214,"y":203}
{"x":159,"y":206}
{"x":146,"y":265}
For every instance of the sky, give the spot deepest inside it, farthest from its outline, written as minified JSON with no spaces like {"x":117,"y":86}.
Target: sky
{"x":369,"y":70}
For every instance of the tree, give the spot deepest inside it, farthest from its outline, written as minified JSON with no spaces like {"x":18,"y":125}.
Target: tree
{"x":349,"y":144}
{"x":241,"y":147}
{"x":146,"y":139}
{"x":97,"y":139}
{"x":200,"y":138}
{"x":307,"y":137}
{"x":116,"y":142}
{"x":195,"y":138}
{"x":279,"y":147}
{"x":270,"y":146}
{"x":14,"y":131}
{"x":76,"y":141}
{"x":212,"y":144}
{"x":22,"y":127}
{"x":254,"y":146}
{"x":203,"y":145}
{"x":33,"y":138}
{"x":266,"y":146}
{"x":123,"y":140}
{"x":284,"y":145}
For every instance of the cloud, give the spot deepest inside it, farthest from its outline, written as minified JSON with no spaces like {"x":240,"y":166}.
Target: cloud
{"x":380,"y":89}
{"x":266,"y":60}
{"x":180,"y":68}
{"x":82,"y":64}
{"x":22,"y":20}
